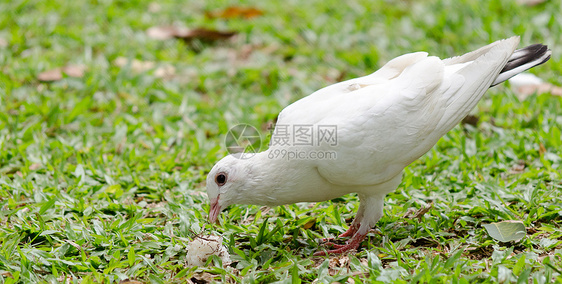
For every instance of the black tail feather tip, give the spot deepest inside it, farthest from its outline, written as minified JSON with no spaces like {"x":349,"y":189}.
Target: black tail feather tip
{"x":526,"y":55}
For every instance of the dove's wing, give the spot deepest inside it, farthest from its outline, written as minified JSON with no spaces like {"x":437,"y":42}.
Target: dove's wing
{"x":389,"y":71}
{"x":324,"y":102}
{"x":388,"y":122}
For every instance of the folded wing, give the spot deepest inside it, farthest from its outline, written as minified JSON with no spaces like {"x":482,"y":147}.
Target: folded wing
{"x":392,"y":122}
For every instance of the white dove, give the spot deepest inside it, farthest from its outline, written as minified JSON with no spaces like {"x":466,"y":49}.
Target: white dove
{"x":382,"y":123}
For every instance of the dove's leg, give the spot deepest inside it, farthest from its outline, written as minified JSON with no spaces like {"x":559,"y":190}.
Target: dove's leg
{"x":352,"y":228}
{"x":356,"y":222}
{"x":372,"y":212}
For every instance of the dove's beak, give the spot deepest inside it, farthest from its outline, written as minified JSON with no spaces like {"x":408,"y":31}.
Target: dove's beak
{"x":215,"y":210}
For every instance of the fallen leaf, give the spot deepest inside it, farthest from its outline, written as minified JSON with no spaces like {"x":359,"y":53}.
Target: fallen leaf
{"x":72,"y":70}
{"x":479,"y":252}
{"x":471,"y":120}
{"x":50,"y":75}
{"x":202,"y":278}
{"x":526,"y":84}
{"x":154,"y":7}
{"x":235,"y":12}
{"x":542,"y":149}
{"x":167,"y":32}
{"x":336,"y":262}
{"x":75,"y":245}
{"x":540,"y":89}
{"x":530,"y":2}
{"x":204,"y":34}
{"x":129,"y":281}
{"x":34,"y":166}
{"x":506,"y":231}
{"x":165,"y":71}
{"x":136,"y":65}
{"x":309,"y":224}
{"x":424,"y":242}
{"x":422,"y":211}
{"x":344,"y":260}
{"x":162,"y":33}
{"x":518,"y":168}
{"x":65,"y":279}
{"x":6,"y":274}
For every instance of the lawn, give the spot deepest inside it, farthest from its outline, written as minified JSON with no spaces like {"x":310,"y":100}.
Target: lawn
{"x":103,"y":161}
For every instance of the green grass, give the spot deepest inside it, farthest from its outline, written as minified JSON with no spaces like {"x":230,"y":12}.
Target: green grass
{"x":102,"y":177}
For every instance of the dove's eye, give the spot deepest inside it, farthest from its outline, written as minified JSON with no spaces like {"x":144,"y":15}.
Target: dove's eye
{"x":220,"y":179}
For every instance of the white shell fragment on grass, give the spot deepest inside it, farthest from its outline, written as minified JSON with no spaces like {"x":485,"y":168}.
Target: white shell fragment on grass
{"x":201,"y":248}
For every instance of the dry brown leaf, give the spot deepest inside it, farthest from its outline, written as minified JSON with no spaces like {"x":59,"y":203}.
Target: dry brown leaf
{"x":6,"y":274}
{"x":471,"y":120}
{"x":530,"y":2}
{"x":309,"y":224}
{"x":129,"y":281}
{"x":162,"y":33}
{"x":542,"y":149}
{"x":154,"y":7}
{"x":65,"y":279}
{"x":518,"y":168}
{"x":409,"y":212}
{"x":363,"y":274}
{"x":528,"y":90}
{"x":34,"y":166}
{"x":50,"y":75}
{"x":204,"y":34}
{"x":137,"y":66}
{"x":74,"y":70}
{"x":203,"y":277}
{"x":236,"y":12}
{"x":526,"y":84}
{"x":344,"y":260}
{"x":423,"y":210}
{"x":165,"y":71}
{"x":339,"y":261}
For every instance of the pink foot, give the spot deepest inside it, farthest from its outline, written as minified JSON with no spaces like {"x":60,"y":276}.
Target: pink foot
{"x":350,"y":232}
{"x":333,"y":245}
{"x":352,"y":244}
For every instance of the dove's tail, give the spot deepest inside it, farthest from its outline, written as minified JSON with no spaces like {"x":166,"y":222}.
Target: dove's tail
{"x":522,"y":60}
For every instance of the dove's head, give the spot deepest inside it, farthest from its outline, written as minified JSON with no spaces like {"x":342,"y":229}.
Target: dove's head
{"x":227,"y":184}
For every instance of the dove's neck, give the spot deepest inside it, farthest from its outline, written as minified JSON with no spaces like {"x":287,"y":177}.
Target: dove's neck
{"x":276,"y":181}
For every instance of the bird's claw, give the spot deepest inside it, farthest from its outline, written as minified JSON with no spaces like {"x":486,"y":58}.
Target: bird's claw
{"x":326,"y":240}
{"x":351,"y":244}
{"x":338,"y":249}
{"x":333,"y":245}
{"x":349,"y":233}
